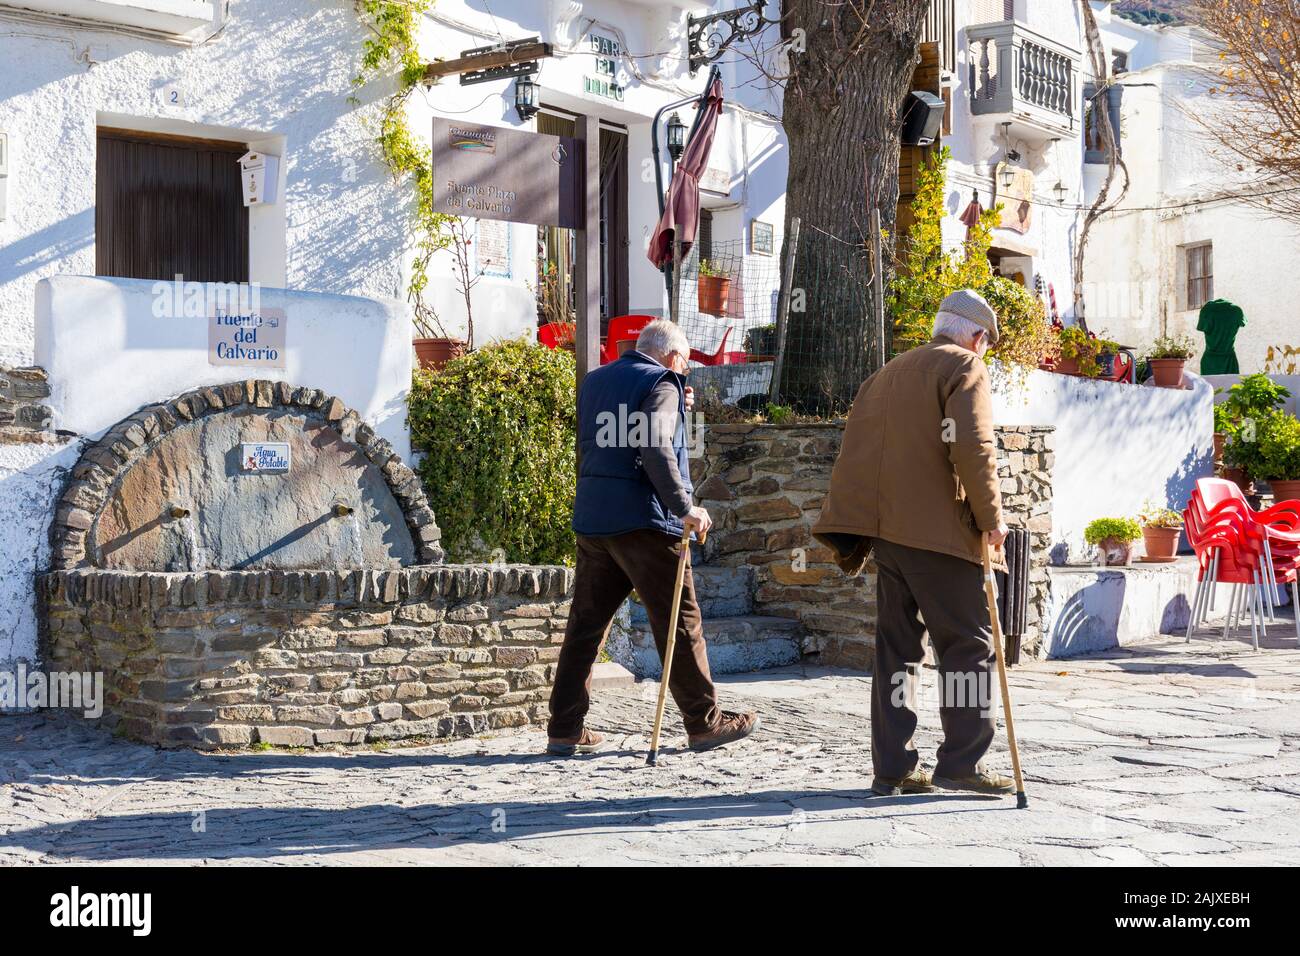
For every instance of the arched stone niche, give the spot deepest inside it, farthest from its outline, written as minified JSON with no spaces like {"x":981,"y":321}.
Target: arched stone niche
{"x":167,"y":489}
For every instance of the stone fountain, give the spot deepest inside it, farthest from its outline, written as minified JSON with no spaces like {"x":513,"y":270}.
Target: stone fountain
{"x":251,"y":563}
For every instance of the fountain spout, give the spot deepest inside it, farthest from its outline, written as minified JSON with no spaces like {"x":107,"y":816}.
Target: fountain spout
{"x":342,"y":510}
{"x":178,"y":512}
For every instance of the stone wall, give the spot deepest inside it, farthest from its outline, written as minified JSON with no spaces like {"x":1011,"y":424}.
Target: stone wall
{"x":763,"y":485}
{"x":24,"y":416}
{"x":307,"y":658}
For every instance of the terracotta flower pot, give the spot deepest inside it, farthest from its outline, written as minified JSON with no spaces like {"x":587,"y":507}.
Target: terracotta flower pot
{"x":1243,"y":481}
{"x":713,"y":293}
{"x":433,"y":354}
{"x":625,"y":345}
{"x":1115,"y":553}
{"x":1285,"y":490}
{"x":1168,"y":372}
{"x":1161,"y":542}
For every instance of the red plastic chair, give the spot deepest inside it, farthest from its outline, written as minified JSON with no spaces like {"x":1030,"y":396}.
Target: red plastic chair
{"x":553,"y":334}
{"x":622,"y":327}
{"x":1252,"y":551}
{"x":717,"y":358}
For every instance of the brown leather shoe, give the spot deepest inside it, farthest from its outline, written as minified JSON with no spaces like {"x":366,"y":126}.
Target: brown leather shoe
{"x":918,"y":781}
{"x":588,"y":742}
{"x":731,"y":727}
{"x":982,"y":781}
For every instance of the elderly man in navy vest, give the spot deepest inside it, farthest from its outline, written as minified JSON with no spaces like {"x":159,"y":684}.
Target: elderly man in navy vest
{"x":632,"y":507}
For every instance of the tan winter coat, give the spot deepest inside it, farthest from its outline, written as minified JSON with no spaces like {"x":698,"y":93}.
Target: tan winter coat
{"x":918,"y":465}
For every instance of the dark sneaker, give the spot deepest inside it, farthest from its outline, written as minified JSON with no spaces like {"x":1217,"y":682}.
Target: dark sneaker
{"x":981,"y":782}
{"x":731,"y":728}
{"x":918,"y":781}
{"x":589,"y":742}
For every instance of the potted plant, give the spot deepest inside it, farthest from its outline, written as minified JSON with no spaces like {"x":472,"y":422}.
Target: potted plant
{"x":1223,"y":426}
{"x":1279,"y":455}
{"x":1167,"y":357}
{"x":434,"y":348}
{"x":1115,"y":537}
{"x":1247,"y":413}
{"x":714,"y":289}
{"x":760,"y":342}
{"x":1160,"y":530}
{"x":1083,"y":353}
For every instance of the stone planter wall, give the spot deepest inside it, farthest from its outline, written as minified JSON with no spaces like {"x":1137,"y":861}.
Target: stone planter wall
{"x":763,"y":485}
{"x":307,"y":658}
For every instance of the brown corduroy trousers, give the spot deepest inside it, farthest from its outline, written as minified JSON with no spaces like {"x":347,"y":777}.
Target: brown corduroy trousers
{"x":948,"y":593}
{"x":607,"y":570}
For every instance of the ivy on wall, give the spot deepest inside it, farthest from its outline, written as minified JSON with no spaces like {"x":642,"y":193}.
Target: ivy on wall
{"x":393,"y":25}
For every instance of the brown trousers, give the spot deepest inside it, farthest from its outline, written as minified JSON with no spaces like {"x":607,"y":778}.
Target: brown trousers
{"x":608,"y":568}
{"x":949,"y":594}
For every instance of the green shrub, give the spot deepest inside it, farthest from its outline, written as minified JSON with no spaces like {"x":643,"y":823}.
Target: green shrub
{"x":498,"y":430}
{"x":1279,"y":448}
{"x":1116,"y":529}
{"x":1025,"y":336}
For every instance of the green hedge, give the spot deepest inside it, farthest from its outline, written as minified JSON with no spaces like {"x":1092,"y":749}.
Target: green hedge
{"x":497,"y":427}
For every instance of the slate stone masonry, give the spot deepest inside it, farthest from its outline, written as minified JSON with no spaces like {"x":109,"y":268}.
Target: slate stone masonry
{"x":309,"y":658}
{"x":24,"y":416}
{"x":764,"y":484}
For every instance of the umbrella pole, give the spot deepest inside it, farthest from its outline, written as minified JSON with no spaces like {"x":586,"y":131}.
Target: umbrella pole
{"x":674,"y":306}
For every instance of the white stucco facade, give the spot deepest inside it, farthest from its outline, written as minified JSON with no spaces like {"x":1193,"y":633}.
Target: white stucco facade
{"x":1182,"y":194}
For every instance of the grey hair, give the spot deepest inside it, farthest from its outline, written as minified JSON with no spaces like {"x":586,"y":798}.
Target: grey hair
{"x":956,"y":327}
{"x":662,"y":337}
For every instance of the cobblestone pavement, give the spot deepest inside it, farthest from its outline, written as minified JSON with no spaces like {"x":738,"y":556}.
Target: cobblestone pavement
{"x":1165,"y":754}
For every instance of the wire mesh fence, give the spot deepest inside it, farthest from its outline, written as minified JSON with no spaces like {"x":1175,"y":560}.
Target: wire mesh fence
{"x":818,"y":339}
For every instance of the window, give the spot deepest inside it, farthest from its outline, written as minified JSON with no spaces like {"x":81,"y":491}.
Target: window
{"x":1200,"y":274}
{"x":168,"y":205}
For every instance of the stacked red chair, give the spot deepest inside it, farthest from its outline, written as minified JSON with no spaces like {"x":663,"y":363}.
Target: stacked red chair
{"x":1252,"y":551}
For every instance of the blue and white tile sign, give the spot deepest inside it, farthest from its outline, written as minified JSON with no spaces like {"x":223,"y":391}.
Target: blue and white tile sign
{"x":247,"y":337}
{"x":264,"y":456}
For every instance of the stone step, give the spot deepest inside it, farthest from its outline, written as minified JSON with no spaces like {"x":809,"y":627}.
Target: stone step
{"x":607,"y":674}
{"x":721,"y":592}
{"x":746,"y":642}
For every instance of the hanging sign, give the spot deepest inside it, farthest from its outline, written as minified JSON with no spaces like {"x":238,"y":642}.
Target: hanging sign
{"x":492,"y":172}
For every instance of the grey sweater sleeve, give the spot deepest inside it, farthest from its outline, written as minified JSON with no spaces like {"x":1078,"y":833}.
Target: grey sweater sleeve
{"x":661,"y":408}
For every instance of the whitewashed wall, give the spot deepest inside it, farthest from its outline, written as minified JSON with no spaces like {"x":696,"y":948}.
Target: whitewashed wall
{"x":108,"y":353}
{"x":277,"y":75}
{"x":1117,"y":446}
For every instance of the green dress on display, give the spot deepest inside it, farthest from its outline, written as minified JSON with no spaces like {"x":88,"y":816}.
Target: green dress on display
{"x":1220,"y":320}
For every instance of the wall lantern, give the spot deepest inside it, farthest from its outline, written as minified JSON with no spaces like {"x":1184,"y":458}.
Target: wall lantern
{"x":676,"y":137}
{"x":525,"y":98}
{"x":1060,"y":191}
{"x":1009,"y":156}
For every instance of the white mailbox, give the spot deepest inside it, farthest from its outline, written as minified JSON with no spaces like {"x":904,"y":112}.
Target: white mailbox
{"x":261,"y":175}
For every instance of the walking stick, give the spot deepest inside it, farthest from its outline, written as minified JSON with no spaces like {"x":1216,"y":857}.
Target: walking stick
{"x":991,"y":590}
{"x":683,"y":561}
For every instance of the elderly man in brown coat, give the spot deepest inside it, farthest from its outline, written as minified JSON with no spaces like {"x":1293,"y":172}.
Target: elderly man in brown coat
{"x":916,"y":484}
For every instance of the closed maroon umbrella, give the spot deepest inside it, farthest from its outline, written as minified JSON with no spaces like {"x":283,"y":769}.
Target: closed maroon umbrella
{"x":681,"y":216}
{"x":970,"y":216}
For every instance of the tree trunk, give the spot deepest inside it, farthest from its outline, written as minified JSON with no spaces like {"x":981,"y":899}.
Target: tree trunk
{"x":842,"y":121}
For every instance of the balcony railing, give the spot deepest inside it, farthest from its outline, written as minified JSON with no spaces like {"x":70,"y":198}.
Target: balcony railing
{"x":1018,"y":72}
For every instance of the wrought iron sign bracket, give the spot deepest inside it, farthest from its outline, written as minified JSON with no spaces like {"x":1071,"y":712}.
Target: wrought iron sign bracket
{"x":709,"y":36}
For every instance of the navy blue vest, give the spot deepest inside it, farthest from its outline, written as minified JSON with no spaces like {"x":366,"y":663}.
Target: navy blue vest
{"x":615,"y":495}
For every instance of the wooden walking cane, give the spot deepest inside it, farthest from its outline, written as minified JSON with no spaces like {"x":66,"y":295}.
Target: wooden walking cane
{"x":683,"y":561}
{"x":991,"y":590}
